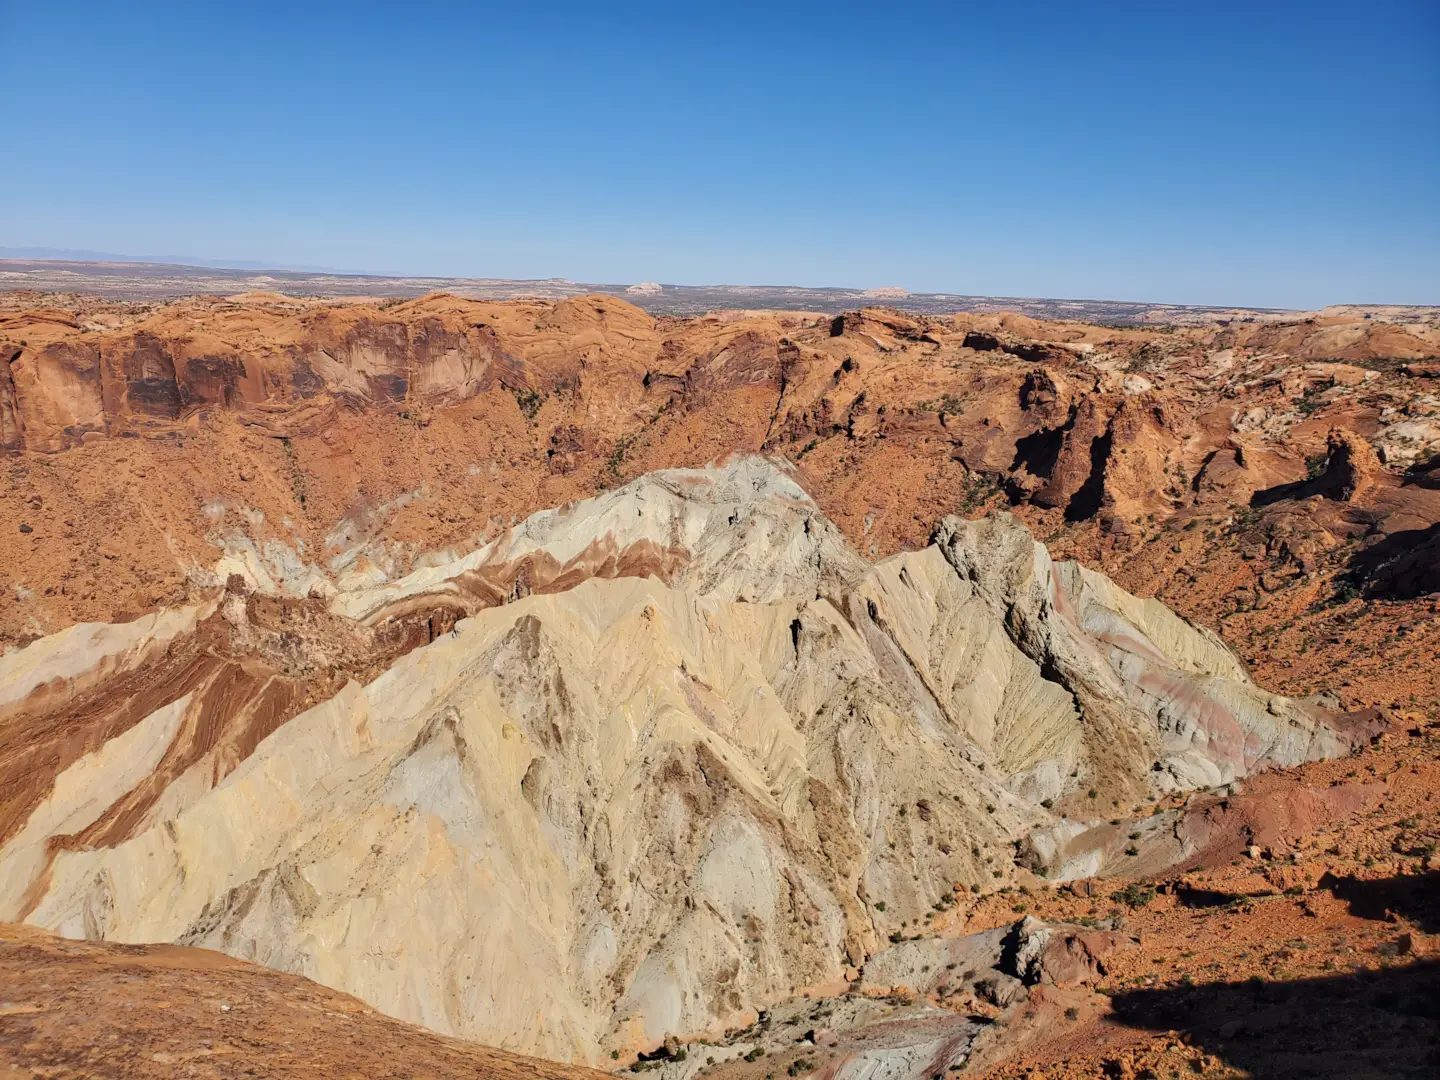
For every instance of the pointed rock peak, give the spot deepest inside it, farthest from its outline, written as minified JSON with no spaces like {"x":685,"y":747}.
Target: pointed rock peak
{"x":997,"y":554}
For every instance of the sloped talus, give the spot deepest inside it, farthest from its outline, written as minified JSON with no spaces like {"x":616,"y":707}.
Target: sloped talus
{"x":617,"y":806}
{"x":1164,"y":702}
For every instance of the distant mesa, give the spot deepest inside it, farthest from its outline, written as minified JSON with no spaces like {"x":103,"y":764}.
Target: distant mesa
{"x":158,"y":278}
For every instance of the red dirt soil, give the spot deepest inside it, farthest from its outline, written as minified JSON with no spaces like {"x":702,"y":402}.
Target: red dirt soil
{"x":74,"y":1010}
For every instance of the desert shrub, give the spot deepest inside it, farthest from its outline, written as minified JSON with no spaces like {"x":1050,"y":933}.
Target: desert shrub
{"x":1135,"y":895}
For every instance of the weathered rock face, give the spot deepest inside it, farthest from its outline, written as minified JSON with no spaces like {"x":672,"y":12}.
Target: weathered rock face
{"x":1351,"y":465}
{"x":10,"y":437}
{"x":1153,"y":688}
{"x":148,"y":379}
{"x":684,"y":753}
{"x":140,"y":440}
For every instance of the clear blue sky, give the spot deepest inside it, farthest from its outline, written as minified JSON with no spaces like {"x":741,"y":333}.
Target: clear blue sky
{"x":1252,"y":153}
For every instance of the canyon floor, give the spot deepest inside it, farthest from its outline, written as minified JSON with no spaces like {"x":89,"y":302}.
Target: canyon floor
{"x":702,"y":617}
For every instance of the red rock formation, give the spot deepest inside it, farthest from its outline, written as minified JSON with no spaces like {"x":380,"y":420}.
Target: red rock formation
{"x":438,"y":420}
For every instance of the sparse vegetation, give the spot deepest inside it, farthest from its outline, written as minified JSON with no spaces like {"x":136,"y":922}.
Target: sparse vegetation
{"x":529,"y":401}
{"x":1309,"y":402}
{"x":617,"y":456}
{"x":1135,"y":894}
{"x":978,"y":492}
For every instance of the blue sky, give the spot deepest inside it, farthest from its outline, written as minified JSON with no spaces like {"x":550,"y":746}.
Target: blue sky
{"x":1279,"y":153}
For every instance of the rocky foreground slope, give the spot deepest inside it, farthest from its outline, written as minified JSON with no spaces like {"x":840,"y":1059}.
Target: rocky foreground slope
{"x":684,"y":753}
{"x":77,"y":1010}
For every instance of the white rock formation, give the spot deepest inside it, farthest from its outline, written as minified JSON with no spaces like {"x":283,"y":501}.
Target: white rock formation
{"x":66,"y":663}
{"x":689,"y":754}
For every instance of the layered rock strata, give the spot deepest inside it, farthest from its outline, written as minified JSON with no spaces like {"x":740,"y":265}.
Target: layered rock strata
{"x":634,"y":769}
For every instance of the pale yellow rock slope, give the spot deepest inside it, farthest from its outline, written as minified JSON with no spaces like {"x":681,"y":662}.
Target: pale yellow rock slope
{"x":694,"y":755}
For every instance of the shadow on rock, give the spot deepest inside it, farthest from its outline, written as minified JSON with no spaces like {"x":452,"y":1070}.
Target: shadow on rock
{"x":1376,"y":1024}
{"x":1297,"y":491}
{"x":1415,"y":897}
{"x":1192,"y":897}
{"x":1401,"y":566}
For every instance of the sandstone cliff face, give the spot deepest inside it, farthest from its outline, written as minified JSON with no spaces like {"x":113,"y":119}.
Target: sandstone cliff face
{"x":10,"y":437}
{"x":684,"y":752}
{"x":147,"y":379}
